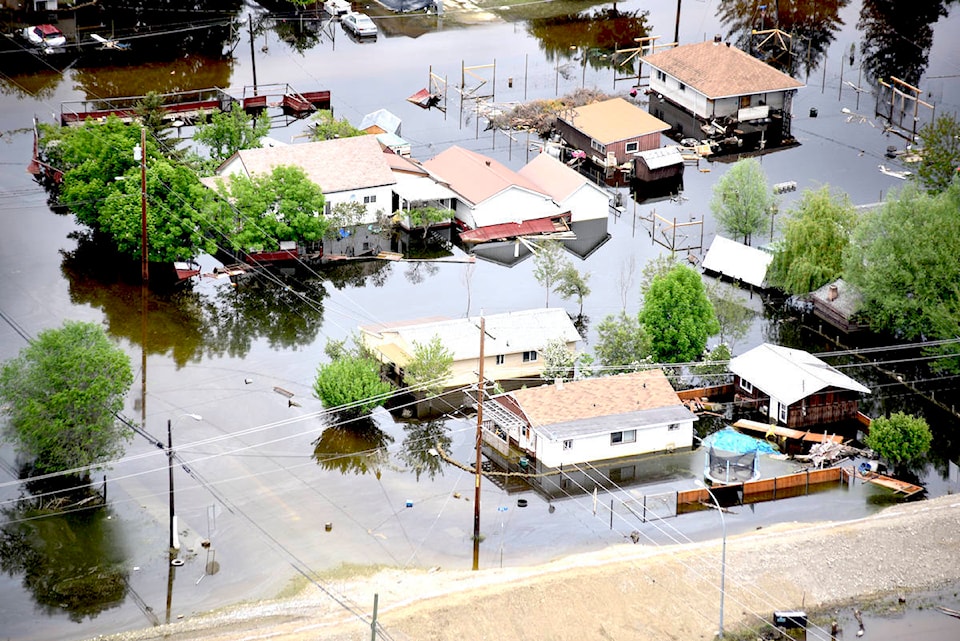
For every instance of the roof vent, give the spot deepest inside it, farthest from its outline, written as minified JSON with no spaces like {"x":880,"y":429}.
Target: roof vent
{"x":487,"y":162}
{"x":728,"y":44}
{"x":717,"y":39}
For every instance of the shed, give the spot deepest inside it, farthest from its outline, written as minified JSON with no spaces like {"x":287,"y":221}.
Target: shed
{"x":735,"y":260}
{"x":610,"y":131}
{"x":839,"y":303}
{"x":654,"y":164}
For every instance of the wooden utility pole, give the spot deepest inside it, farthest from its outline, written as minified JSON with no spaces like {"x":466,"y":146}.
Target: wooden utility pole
{"x":476,"y":494}
{"x":144,"y":269}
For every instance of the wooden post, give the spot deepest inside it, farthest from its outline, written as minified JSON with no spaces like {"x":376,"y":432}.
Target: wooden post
{"x":477,"y":471}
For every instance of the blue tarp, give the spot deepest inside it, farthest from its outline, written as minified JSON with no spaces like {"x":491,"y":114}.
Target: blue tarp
{"x":730,"y":440}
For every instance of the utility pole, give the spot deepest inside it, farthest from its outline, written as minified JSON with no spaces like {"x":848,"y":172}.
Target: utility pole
{"x":253,"y":57}
{"x":174,"y":543}
{"x":476,"y":497}
{"x":144,"y":269}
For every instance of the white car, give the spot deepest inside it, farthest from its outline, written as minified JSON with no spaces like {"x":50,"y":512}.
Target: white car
{"x":359,"y":24}
{"x":336,"y":8}
{"x":44,"y":35}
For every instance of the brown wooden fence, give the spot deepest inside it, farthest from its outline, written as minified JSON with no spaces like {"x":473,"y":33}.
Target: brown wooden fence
{"x":778,"y":487}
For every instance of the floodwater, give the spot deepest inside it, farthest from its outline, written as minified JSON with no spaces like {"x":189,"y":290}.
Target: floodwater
{"x":266,"y":475}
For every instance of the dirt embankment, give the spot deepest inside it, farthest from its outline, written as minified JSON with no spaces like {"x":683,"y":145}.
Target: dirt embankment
{"x":626,"y":591}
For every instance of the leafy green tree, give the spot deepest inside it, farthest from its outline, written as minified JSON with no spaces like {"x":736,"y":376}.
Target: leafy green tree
{"x":345,"y":215}
{"x":817,"y":233}
{"x":903,"y":259}
{"x":548,"y":262}
{"x":733,"y":317}
{"x":742,"y":201}
{"x":571,"y":283}
{"x":425,"y":216}
{"x":622,"y":342}
{"x":227,"y":132}
{"x":62,"y":394}
{"x":326,"y":127}
{"x":901,"y":439}
{"x":940,"y":153}
{"x":659,"y":266}
{"x":351,"y":385}
{"x":678,"y":316}
{"x":150,"y":110}
{"x":558,"y":360}
{"x":430,"y":368}
{"x":716,"y":364}
{"x":281,"y":205}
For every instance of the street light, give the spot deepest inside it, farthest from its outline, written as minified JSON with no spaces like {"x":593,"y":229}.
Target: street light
{"x":174,"y":539}
{"x":723,"y":552}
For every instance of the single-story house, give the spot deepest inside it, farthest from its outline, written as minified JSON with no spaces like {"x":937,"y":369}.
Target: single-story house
{"x":511,"y":345}
{"x":658,"y":164}
{"x":735,"y":260}
{"x":703,"y":87}
{"x":594,"y":419}
{"x":346,"y":169}
{"x":793,"y":387}
{"x":610,"y":131}
{"x":839,"y":304}
{"x":569,"y":189}
{"x":489,"y":193}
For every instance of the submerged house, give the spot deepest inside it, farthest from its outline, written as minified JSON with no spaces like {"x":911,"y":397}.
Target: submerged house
{"x":714,"y":90}
{"x":658,"y":164}
{"x":839,"y":304}
{"x":794,"y":388}
{"x":594,"y":419}
{"x":511,"y":345}
{"x":739,"y":262}
{"x":610,"y":131}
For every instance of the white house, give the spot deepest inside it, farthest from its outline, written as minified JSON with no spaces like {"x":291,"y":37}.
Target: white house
{"x":594,"y":419}
{"x":740,"y":262}
{"x":488,"y":192}
{"x":511,"y":344}
{"x":346,"y":169}
{"x":569,"y":189}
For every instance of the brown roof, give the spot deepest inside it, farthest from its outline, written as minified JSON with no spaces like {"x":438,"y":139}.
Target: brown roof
{"x":475,"y":176}
{"x":719,"y":70}
{"x":593,"y":397}
{"x":613,"y":120}
{"x":553,"y":177}
{"x":336,"y":165}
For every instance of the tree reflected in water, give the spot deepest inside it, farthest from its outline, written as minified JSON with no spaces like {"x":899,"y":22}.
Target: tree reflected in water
{"x":897,"y":37}
{"x":357,"y":446}
{"x":595,"y":35}
{"x":420,"y":444}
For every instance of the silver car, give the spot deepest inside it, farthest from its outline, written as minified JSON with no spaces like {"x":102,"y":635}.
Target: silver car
{"x":359,"y":24}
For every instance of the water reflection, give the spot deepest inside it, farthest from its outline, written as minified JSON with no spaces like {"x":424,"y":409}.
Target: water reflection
{"x":590,"y":37}
{"x":808,"y":28}
{"x":70,"y":563}
{"x":421,"y":441}
{"x":897,"y":37}
{"x":357,"y":446}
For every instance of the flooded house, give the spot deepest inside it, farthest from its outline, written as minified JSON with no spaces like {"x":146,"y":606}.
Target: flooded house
{"x":664,"y":163}
{"x":590,"y":420}
{"x":610,"y":132}
{"x":741,"y":263}
{"x":839,"y":304}
{"x":794,"y":388}
{"x":511,"y":344}
{"x":713,"y":90}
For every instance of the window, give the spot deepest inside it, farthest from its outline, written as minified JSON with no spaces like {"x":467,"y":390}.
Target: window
{"x":598,"y":146}
{"x":673,"y":427}
{"x":681,"y":86}
{"x":629,"y":436}
{"x":632,"y":147}
{"x":746,"y":386}
{"x":661,"y":76}
{"x":568,"y":444}
{"x":529,"y":357}
{"x":500,"y":359}
{"x":783,"y":412}
{"x":369,"y":199}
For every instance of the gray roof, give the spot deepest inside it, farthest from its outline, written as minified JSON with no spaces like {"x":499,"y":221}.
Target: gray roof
{"x":615,"y":422}
{"x":736,"y":260}
{"x":848,"y":302}
{"x":789,"y":375}
{"x":660,"y":158}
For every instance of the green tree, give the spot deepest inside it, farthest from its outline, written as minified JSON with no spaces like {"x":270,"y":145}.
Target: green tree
{"x":345,"y":215}
{"x":62,"y":394}
{"x":903,"y":259}
{"x":742,"y":201}
{"x":658,"y":266}
{"x":351,"y":385}
{"x":281,"y":205}
{"x":326,"y":127}
{"x":622,"y":342}
{"x":940,"y":153}
{"x":817,"y":233}
{"x":150,"y":110}
{"x":548,"y":262}
{"x":558,"y":360}
{"x":678,"y":316}
{"x":716,"y":364}
{"x":732,"y":316}
{"x":430,"y":367}
{"x":901,"y":439}
{"x":425,"y":216}
{"x":572,"y":283}
{"x":227,"y":132}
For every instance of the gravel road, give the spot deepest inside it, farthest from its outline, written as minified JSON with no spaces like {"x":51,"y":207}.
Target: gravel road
{"x":624,"y":592}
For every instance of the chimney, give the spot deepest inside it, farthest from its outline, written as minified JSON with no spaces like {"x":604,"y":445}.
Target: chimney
{"x":728,"y":44}
{"x":832,"y":293}
{"x":716,"y":39}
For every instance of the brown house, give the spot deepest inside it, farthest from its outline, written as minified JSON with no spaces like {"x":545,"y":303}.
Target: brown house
{"x":839,"y":304}
{"x":794,"y":388}
{"x":611,"y":131}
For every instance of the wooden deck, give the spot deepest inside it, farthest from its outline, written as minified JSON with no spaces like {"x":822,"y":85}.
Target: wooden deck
{"x":786,"y":433}
{"x":898,"y":486}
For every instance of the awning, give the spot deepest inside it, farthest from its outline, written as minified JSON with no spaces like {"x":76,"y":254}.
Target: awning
{"x":509,"y":230}
{"x":424,"y":188}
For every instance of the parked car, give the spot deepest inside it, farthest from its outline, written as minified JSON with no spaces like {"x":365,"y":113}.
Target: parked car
{"x":337,"y":8}
{"x":359,"y":24}
{"x":44,"y":35}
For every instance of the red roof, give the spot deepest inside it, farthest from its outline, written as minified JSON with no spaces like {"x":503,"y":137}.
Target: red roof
{"x":48,"y":30}
{"x":508,"y":230}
